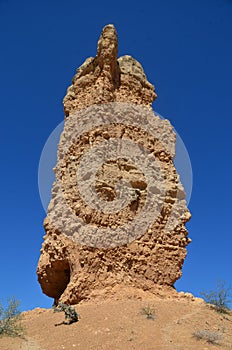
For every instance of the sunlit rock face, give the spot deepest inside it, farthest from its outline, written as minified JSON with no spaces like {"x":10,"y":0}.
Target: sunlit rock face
{"x":118,"y":212}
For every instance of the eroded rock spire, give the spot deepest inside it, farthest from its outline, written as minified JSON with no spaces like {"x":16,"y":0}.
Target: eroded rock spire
{"x":107,"y":79}
{"x":107,"y":51}
{"x":113,"y":145}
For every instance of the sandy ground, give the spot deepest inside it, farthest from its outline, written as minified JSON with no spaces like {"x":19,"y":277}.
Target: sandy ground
{"x":120,"y":324}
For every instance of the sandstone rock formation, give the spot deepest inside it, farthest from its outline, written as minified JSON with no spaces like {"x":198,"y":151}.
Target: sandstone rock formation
{"x":86,"y":248}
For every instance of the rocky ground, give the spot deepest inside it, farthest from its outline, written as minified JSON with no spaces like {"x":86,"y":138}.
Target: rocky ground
{"x":120,"y":322}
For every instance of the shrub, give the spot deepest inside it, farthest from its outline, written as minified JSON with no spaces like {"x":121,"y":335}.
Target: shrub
{"x":149,"y":312}
{"x":9,"y":319}
{"x":71,"y":314}
{"x":210,"y":337}
{"x":220,"y":297}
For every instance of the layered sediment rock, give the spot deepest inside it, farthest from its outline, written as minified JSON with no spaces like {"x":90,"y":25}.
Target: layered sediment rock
{"x":130,"y":230}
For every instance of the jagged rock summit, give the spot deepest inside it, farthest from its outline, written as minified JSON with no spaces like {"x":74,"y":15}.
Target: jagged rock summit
{"x":107,"y":79}
{"x":130,"y":230}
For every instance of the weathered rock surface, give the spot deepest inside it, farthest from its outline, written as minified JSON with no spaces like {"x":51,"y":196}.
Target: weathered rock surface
{"x":80,"y":258}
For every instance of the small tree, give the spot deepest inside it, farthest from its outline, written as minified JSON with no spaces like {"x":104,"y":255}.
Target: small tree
{"x":220,"y":297}
{"x":9,"y":319}
{"x":71,"y":314}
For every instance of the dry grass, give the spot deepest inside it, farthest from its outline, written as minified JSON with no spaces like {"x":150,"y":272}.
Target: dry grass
{"x":210,"y":337}
{"x":149,"y":312}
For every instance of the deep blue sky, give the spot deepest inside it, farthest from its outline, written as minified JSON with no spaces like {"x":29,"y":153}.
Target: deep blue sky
{"x":185,"y":48}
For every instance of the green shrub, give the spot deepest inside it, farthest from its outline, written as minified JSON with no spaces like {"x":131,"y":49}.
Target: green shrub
{"x":9,"y":319}
{"x":71,"y":314}
{"x":219,"y":298}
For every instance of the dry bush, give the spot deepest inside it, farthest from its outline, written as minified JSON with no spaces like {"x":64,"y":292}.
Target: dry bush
{"x":210,"y":337}
{"x":219,"y":298}
{"x":149,"y":312}
{"x":9,"y":319}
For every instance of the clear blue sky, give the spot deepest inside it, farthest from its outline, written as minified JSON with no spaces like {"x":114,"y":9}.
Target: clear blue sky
{"x":185,"y":48}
